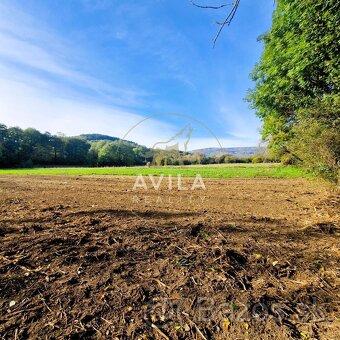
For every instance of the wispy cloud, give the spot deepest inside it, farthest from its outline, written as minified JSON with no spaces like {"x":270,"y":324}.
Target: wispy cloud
{"x":26,"y":45}
{"x":43,"y":110}
{"x":244,"y":127}
{"x":42,"y":86}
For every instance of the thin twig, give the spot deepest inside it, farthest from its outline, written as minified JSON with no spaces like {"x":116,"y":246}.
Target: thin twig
{"x":210,"y":7}
{"x":221,"y":234}
{"x":193,"y":280}
{"x":107,"y":321}
{"x":25,"y":310}
{"x":14,"y":262}
{"x":161,"y":283}
{"x":227,"y":21}
{"x":159,"y":331}
{"x":193,"y":323}
{"x":44,"y":302}
{"x":97,"y":330}
{"x":184,"y":251}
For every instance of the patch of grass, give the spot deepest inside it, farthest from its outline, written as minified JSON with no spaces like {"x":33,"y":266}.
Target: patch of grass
{"x":204,"y":234}
{"x":235,"y":307}
{"x":206,"y":171}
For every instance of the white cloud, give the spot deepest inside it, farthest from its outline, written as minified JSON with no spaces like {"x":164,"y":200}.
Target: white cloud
{"x":236,"y":120}
{"x":43,"y":110}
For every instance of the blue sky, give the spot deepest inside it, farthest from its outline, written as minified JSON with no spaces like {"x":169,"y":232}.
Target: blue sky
{"x":101,"y":66}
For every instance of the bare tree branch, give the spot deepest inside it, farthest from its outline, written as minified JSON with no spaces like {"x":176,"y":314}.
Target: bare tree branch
{"x":226,"y":21}
{"x":210,"y":7}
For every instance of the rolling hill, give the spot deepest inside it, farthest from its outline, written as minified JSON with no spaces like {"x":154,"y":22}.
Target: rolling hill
{"x":236,"y":151}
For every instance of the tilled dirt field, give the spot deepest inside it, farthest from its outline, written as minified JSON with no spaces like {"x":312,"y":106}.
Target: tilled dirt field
{"x":88,"y":257}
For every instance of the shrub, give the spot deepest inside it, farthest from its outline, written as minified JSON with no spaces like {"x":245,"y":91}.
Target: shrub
{"x":257,"y":159}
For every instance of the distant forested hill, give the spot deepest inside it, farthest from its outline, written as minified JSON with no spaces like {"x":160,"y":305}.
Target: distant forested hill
{"x":96,"y":136}
{"x":236,"y":152}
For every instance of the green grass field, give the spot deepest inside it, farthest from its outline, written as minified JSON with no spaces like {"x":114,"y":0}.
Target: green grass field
{"x":206,"y":171}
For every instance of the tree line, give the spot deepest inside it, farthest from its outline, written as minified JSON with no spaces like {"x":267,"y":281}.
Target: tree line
{"x":162,"y":157}
{"x":29,"y":147}
{"x":24,"y":148}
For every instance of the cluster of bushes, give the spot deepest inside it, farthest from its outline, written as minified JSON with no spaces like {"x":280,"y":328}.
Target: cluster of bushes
{"x":161,"y":157}
{"x":116,"y":153}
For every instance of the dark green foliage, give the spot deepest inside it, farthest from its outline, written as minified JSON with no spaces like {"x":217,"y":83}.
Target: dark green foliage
{"x":116,"y":153}
{"x":297,"y":84}
{"x":75,"y":150}
{"x":25,"y":148}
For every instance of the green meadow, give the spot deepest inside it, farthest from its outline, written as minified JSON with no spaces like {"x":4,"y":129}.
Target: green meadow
{"x":206,"y":171}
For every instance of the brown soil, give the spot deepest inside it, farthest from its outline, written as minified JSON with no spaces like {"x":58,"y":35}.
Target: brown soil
{"x":88,"y":257}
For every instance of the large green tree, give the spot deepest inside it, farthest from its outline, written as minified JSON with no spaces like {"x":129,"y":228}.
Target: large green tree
{"x":297,"y":84}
